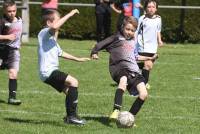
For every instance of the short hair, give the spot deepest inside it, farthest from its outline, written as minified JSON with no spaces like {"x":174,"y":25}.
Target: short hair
{"x":146,"y":2}
{"x":8,"y":3}
{"x":129,"y":19}
{"x":48,"y":15}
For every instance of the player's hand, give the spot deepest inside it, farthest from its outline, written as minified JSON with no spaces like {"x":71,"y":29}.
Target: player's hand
{"x":74,"y":11}
{"x":83,"y":59}
{"x":160,"y":43}
{"x":11,"y":37}
{"x":95,"y":56}
{"x":155,"y":57}
{"x":138,"y":5}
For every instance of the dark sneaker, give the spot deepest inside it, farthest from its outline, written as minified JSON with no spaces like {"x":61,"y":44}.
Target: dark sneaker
{"x":74,"y":120}
{"x":14,"y":101}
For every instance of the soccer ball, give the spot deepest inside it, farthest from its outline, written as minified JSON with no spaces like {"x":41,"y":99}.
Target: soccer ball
{"x":125,"y":120}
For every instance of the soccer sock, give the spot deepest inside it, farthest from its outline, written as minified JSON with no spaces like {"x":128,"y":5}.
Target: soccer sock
{"x":71,"y":101}
{"x":12,"y":88}
{"x":118,"y":99}
{"x":136,"y":106}
{"x":145,"y":74}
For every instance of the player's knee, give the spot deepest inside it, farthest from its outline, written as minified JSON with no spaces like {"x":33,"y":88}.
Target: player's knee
{"x":74,"y":83}
{"x":123,"y":83}
{"x":143,"y":94}
{"x":12,"y":74}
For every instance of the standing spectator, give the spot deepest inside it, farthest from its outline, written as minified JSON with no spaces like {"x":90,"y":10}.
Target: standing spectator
{"x":49,"y":52}
{"x":103,"y":18}
{"x":49,"y":4}
{"x":124,"y":8}
{"x":10,"y":42}
{"x":149,"y":36}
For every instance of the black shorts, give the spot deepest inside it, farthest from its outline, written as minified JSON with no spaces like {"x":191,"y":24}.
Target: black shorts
{"x":9,"y":57}
{"x":141,"y":63}
{"x":133,"y":79}
{"x":57,"y":80}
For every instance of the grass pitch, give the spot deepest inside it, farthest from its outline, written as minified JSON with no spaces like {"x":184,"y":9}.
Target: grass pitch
{"x":173,"y":105}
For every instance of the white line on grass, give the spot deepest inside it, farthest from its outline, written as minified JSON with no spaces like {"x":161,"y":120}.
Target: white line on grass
{"x":102,"y":115}
{"x":111,"y":95}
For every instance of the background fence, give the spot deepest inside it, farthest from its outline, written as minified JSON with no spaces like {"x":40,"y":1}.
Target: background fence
{"x":180,"y":22}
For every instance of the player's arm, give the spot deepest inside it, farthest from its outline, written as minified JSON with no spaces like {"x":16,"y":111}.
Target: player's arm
{"x":144,"y":58}
{"x":61,"y":21}
{"x":10,"y":37}
{"x":160,"y":43}
{"x":74,"y":58}
{"x":100,"y":46}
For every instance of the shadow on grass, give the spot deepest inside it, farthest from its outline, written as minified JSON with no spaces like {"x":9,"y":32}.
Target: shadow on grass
{"x":113,"y":84}
{"x":2,"y":101}
{"x":104,"y":120}
{"x":30,"y":121}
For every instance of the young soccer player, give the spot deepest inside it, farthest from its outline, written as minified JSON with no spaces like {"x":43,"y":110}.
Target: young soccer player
{"x":149,"y":36}
{"x":123,"y":66}
{"x":10,"y":42}
{"x":49,"y":51}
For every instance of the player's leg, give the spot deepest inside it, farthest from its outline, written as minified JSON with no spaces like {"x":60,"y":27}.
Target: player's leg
{"x":148,"y":65}
{"x":12,"y":63}
{"x":71,"y":101}
{"x":118,"y":97}
{"x":141,"y":98}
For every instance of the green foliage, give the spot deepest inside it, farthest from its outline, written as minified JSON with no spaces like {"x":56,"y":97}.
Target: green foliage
{"x":83,"y":26}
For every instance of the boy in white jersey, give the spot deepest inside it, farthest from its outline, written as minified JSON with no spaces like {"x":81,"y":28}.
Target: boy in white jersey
{"x":49,"y":52}
{"x":10,"y":42}
{"x":149,"y":36}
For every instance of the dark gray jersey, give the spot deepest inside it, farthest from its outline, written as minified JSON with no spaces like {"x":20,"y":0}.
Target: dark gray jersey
{"x":7,"y":28}
{"x":123,"y":54}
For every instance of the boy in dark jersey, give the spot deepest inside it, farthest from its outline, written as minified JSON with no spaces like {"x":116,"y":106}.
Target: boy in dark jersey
{"x":123,"y":66}
{"x":10,"y":42}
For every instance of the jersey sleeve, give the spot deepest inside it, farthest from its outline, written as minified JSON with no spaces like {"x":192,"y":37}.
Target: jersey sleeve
{"x":159,"y":25}
{"x":60,"y":51}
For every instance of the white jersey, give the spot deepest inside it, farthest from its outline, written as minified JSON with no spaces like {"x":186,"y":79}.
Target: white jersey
{"x":48,"y":53}
{"x":147,"y":34}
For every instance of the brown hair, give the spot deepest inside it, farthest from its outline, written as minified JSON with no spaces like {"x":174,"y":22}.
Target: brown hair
{"x":129,"y":19}
{"x":146,"y":2}
{"x":8,"y":3}
{"x":49,"y":15}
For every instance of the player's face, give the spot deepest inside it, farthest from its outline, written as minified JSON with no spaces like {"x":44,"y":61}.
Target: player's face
{"x":151,"y":8}
{"x":129,"y":31}
{"x":10,"y":12}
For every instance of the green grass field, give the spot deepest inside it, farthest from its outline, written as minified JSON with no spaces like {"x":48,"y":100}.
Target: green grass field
{"x":173,"y":106}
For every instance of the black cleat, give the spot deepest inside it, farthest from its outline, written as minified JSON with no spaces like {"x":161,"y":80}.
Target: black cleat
{"x":14,"y":101}
{"x":74,"y":120}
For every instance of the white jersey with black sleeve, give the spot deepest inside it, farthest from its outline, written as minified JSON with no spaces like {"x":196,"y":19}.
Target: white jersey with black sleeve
{"x":147,"y":34}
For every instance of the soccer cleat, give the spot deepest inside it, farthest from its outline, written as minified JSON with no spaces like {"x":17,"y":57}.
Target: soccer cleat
{"x":74,"y":120}
{"x":148,"y":86}
{"x":114,"y":114}
{"x":13,"y":101}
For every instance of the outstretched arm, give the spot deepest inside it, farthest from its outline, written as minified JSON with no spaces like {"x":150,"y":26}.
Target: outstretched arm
{"x":160,"y":43}
{"x":62,"y":20}
{"x":74,"y":58}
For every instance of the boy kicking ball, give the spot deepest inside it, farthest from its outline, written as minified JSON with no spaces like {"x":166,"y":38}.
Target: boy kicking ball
{"x":123,"y":66}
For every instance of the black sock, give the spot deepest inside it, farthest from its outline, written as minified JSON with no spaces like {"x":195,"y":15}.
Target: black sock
{"x":145,"y":74}
{"x":136,"y":106}
{"x":71,"y":101}
{"x":118,"y":99}
{"x":12,"y":88}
